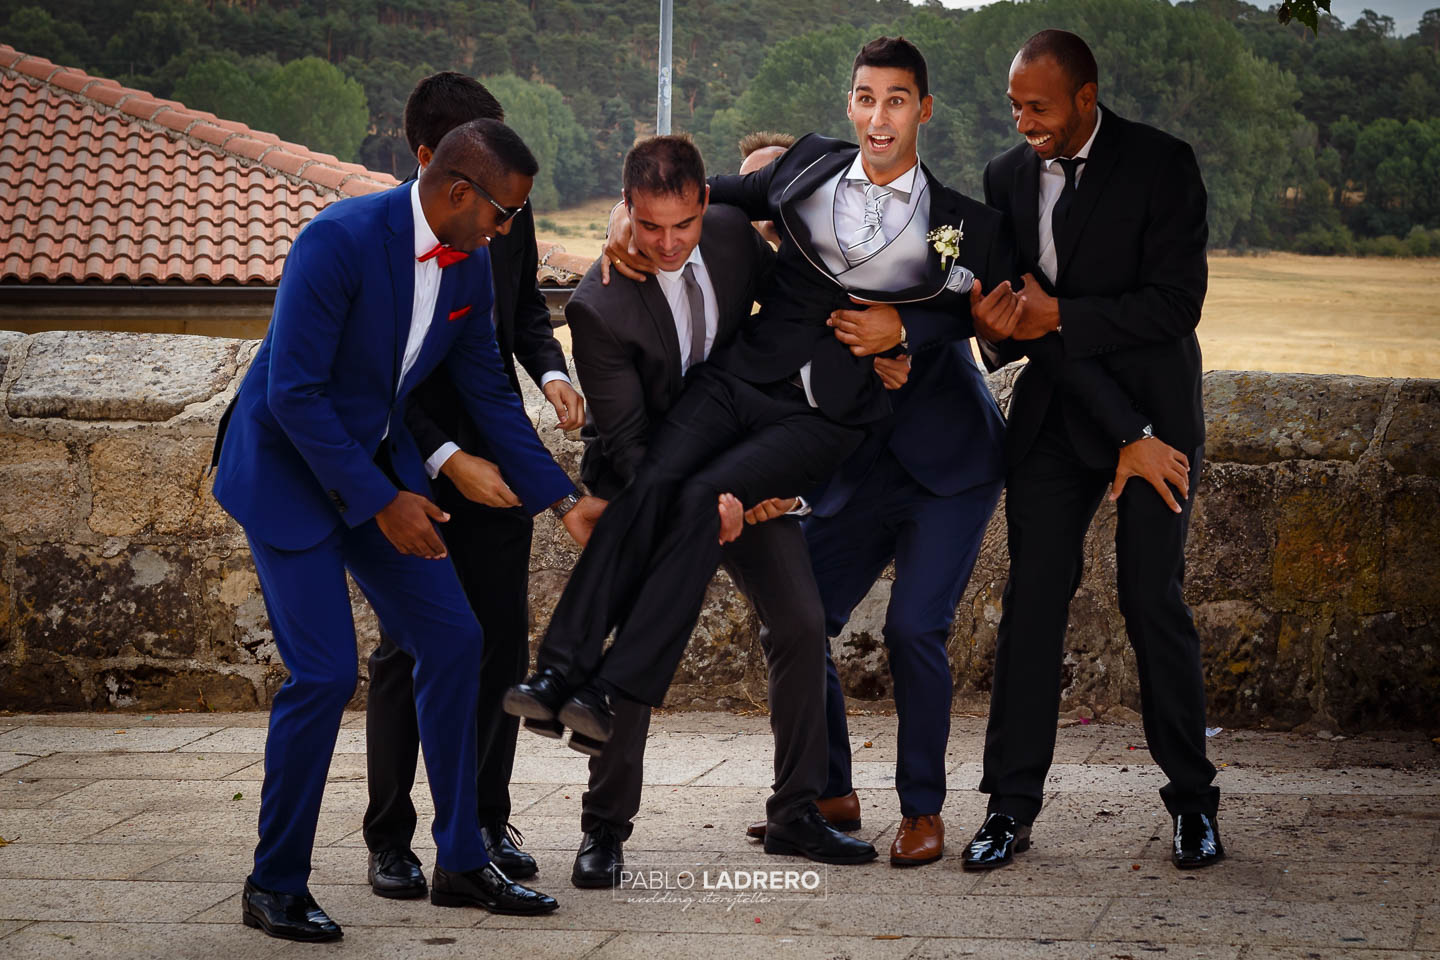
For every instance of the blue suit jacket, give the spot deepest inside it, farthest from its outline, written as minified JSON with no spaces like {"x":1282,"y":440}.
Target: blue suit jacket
{"x":296,"y":450}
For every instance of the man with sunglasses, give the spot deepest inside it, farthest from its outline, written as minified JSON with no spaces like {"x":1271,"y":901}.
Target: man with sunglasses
{"x":489,"y":534}
{"x":316,"y":463}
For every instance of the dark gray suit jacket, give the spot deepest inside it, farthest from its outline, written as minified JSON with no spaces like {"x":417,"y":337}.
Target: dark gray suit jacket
{"x":627,"y":352}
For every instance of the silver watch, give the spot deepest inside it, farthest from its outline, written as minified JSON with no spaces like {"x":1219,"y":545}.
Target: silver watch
{"x":565,"y":504}
{"x":1147,"y":434}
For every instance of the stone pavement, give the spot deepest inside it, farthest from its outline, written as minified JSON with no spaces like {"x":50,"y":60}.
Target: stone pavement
{"x":129,"y":836}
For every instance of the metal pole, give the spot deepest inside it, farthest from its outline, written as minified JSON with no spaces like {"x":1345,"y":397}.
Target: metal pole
{"x":662,"y":100}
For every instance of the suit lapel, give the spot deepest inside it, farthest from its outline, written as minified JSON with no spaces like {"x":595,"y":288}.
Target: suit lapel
{"x":720,"y":268}
{"x":1104,"y":152}
{"x":400,"y":255}
{"x":1025,"y":201}
{"x":805,"y":183}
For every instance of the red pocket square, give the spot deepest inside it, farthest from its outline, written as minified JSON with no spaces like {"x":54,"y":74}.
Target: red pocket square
{"x":457,"y":314}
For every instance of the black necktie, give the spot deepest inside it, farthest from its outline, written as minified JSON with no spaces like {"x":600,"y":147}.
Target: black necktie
{"x":1061,"y":211}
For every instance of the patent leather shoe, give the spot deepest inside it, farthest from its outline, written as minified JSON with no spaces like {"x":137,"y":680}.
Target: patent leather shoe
{"x":396,"y":874}
{"x":811,"y":836}
{"x":600,"y":859}
{"x":489,"y":889}
{"x":287,"y":916}
{"x":502,"y":843}
{"x":996,"y":843}
{"x":843,"y":813}
{"x":538,"y":698}
{"x":1197,"y":841}
{"x":590,"y":717}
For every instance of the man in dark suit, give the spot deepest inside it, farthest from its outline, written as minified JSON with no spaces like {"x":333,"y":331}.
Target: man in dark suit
{"x":635,"y":344}
{"x":488,"y":534}
{"x":1110,"y":224}
{"x":315,"y":462}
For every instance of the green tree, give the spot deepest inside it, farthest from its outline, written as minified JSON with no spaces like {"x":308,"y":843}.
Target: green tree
{"x":538,"y":113}
{"x":36,"y":32}
{"x":225,"y":88}
{"x":313,"y":103}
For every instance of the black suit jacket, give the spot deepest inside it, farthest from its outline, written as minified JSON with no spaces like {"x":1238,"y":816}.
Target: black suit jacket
{"x":791,"y":329}
{"x":1131,"y":277}
{"x":627,"y":352}
{"x":523,"y":331}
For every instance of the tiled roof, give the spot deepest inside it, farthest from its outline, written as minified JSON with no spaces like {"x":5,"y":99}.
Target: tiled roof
{"x":102,"y":183}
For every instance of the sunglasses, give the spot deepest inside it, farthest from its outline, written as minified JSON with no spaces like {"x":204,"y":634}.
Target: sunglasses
{"x":506,"y":213}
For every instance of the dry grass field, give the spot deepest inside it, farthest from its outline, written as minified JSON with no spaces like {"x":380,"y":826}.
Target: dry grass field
{"x":1282,"y":312}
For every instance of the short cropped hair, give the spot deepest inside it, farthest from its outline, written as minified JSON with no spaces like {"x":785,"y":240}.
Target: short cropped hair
{"x":1071,"y":53}
{"x":667,"y":165}
{"x":443,"y":101}
{"x":761,"y":139}
{"x":894,"y":52}
{"x":486,"y":151}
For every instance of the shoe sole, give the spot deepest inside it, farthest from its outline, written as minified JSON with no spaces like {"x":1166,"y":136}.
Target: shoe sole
{"x":781,"y":848}
{"x":517,"y":871}
{"x":911,"y":862}
{"x":1020,"y":847}
{"x":553,"y":729}
{"x":582,"y":721}
{"x":1179,"y":865}
{"x":449,"y":900}
{"x":251,"y":921}
{"x":583,"y":884}
{"x":586,"y":745}
{"x":844,"y":826}
{"x":412,"y":893}
{"x":523,"y":705}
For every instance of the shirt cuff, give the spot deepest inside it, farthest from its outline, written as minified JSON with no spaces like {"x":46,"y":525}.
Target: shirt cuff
{"x":438,"y":458}
{"x":554,"y":375}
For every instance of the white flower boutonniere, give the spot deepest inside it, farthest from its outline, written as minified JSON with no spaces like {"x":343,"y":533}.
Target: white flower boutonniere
{"x":946,"y":241}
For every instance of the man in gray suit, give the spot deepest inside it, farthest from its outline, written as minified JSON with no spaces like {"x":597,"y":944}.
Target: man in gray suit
{"x":634,"y":344}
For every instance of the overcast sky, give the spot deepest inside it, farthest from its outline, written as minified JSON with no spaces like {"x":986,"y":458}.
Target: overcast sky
{"x":1406,"y":12}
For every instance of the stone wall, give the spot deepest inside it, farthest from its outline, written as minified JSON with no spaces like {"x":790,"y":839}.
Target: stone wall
{"x":1314,"y":562}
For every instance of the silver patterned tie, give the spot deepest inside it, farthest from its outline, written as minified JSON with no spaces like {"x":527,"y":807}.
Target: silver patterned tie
{"x":695,"y":297}
{"x":868,"y":239}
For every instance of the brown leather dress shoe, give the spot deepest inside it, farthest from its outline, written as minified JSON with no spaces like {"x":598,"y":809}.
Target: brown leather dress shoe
{"x":919,"y":840}
{"x":843,"y":813}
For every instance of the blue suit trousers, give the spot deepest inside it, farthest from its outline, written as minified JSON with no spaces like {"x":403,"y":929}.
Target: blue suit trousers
{"x":934,"y":542}
{"x":424,"y":611}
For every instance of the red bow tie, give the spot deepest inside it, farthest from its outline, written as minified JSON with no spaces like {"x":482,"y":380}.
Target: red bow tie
{"x":443,"y":255}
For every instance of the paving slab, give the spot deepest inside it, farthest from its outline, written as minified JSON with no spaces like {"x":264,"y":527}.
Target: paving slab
{"x":85,"y":861}
{"x":101,"y":900}
{"x":133,"y":845}
{"x":109,"y":941}
{"x":1280,"y":923}
{"x":45,"y":740}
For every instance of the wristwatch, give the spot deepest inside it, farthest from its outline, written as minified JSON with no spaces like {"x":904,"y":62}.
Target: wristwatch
{"x":565,"y":504}
{"x":1146,"y":434}
{"x":904,"y":339}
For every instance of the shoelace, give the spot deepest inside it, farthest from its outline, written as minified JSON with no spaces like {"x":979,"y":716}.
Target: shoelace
{"x":513,"y":832}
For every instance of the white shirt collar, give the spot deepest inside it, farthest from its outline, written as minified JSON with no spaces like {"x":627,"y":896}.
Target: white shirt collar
{"x":902,"y":185}
{"x":1085,"y":150}
{"x":693,"y":258}
{"x":425,"y":238}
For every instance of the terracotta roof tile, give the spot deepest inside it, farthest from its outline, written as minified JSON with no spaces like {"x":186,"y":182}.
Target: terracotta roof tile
{"x":125,"y":195}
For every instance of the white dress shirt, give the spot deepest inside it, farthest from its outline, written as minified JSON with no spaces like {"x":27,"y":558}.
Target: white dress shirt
{"x":895,"y":209}
{"x":672,"y":284}
{"x":1052,"y":182}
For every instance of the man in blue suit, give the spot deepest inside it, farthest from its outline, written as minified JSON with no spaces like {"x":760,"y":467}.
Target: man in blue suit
{"x":315,"y":462}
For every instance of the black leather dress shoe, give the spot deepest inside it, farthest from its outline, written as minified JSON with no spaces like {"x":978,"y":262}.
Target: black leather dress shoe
{"x":538,"y":698}
{"x":996,"y":843}
{"x":811,"y":836}
{"x":588,"y":713}
{"x":288,"y":916}
{"x":489,"y":889}
{"x":502,"y":843}
{"x":396,"y":874}
{"x":600,"y":859}
{"x":1197,"y":841}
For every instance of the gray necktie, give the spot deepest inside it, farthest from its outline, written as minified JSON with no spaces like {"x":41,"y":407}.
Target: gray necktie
{"x":695,"y":297}
{"x":868,"y":239}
